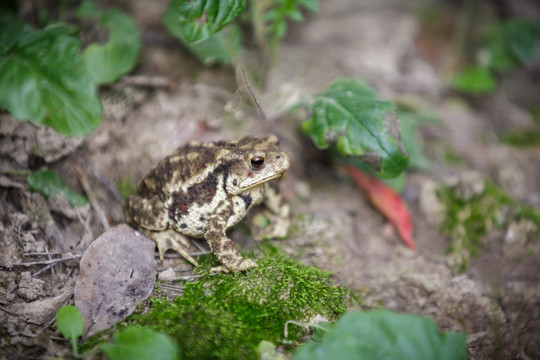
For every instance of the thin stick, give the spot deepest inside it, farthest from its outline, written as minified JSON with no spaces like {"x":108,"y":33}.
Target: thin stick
{"x":52,"y":275}
{"x":111,"y":189}
{"x":47,"y":262}
{"x":50,"y":266}
{"x":91,"y":196}
{"x":9,"y":312}
{"x":145,"y":80}
{"x":254,"y":98}
{"x":196,"y":253}
{"x":45,"y":253}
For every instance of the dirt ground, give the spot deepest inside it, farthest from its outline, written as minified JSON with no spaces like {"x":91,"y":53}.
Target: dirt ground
{"x":496,"y":302}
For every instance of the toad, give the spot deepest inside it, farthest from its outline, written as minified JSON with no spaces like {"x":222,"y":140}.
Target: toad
{"x":203,"y":189}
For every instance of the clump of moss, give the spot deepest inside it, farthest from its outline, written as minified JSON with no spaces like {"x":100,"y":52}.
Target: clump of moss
{"x":226,"y":316}
{"x":469,"y":219}
{"x":523,"y":138}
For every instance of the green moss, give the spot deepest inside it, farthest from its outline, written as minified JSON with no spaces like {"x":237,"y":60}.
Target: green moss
{"x":451,"y":156}
{"x":523,"y":138}
{"x":468,"y":221}
{"x":226,"y":316}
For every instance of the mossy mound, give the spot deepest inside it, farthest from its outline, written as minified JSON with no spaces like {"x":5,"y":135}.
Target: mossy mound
{"x":468,"y":219}
{"x":226,"y":316}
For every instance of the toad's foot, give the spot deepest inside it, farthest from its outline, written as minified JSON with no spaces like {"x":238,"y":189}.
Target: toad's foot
{"x":170,"y":239}
{"x":277,"y":228}
{"x":243,"y":265}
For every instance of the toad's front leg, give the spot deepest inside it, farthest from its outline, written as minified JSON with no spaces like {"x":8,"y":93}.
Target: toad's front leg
{"x":224,"y":249}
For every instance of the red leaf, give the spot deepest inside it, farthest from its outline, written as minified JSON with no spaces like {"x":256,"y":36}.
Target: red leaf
{"x":387,"y":201}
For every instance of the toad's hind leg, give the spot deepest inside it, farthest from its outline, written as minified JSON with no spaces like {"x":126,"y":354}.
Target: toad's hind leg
{"x":170,"y":239}
{"x":150,"y":216}
{"x":146,"y":213}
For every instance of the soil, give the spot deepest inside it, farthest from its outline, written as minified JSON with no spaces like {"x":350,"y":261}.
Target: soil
{"x":171,"y":99}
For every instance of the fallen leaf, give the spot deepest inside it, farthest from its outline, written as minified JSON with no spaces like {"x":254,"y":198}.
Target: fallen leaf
{"x":117,"y":272}
{"x":387,"y":201}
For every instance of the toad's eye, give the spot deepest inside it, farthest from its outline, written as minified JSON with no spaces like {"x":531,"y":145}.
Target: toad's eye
{"x":257,"y":162}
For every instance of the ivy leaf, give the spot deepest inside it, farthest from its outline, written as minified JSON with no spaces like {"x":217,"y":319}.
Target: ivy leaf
{"x":10,"y":31}
{"x":50,"y":184}
{"x":200,"y":19}
{"x":350,"y":115}
{"x":387,"y":335}
{"x":107,"y":62}
{"x":44,"y":79}
{"x":70,"y":324}
{"x":221,"y":47}
{"x":140,"y":343}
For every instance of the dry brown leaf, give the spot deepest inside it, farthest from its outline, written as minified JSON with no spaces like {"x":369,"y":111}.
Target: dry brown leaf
{"x":118,"y":271}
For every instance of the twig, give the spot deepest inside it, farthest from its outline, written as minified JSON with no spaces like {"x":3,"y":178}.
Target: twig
{"x":111,"y":189}
{"x":196,"y":253}
{"x":67,"y":277}
{"x":198,"y":246}
{"x":52,"y":253}
{"x":145,"y":80}
{"x":242,"y":73}
{"x":33,"y":275}
{"x":18,"y":315}
{"x":9,"y":312}
{"x":47,"y":262}
{"x":171,"y":288}
{"x":91,"y":196}
{"x":52,"y":275}
{"x":47,"y":324}
{"x":85,"y":221}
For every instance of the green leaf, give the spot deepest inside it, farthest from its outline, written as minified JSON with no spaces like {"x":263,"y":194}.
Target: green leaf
{"x":50,"y":184}
{"x":312,"y":5}
{"x":474,"y":80}
{"x":44,"y":79}
{"x":512,"y":42}
{"x":523,"y":39}
{"x":280,"y":11}
{"x":10,"y":31}
{"x":221,"y":47}
{"x":350,"y":115}
{"x":501,"y":57}
{"x":69,"y":322}
{"x":107,"y":62}
{"x":387,"y":335}
{"x":199,"y":19}
{"x":139,"y":343}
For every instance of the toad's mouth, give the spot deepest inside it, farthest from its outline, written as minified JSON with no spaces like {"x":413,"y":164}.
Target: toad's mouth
{"x":249,"y":184}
